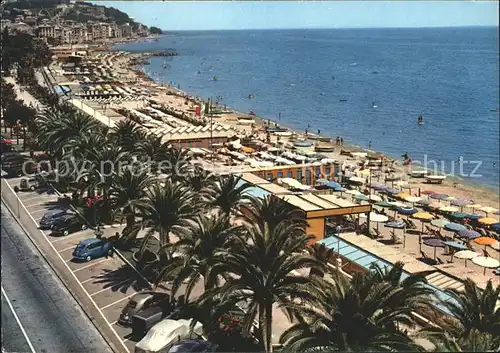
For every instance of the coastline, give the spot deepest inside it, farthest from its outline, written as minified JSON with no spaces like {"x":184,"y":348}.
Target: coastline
{"x":458,"y":187}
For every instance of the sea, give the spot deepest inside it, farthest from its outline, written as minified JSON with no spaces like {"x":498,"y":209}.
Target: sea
{"x":367,"y":85}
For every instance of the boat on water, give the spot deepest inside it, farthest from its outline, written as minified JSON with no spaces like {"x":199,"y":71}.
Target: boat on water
{"x":419,"y":173}
{"x":435,"y":178}
{"x":303,"y":143}
{"x":276,"y":129}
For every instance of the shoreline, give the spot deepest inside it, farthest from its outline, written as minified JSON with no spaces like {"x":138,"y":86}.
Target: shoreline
{"x":459,"y":187}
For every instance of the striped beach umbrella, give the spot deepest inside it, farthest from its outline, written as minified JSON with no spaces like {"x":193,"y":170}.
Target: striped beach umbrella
{"x":468,"y":234}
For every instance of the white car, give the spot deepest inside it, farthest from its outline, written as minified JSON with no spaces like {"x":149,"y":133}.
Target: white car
{"x":165,"y":333}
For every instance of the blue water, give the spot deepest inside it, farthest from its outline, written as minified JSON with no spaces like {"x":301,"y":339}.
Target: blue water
{"x":450,"y":75}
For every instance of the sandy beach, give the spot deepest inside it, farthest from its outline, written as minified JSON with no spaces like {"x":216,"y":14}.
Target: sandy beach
{"x":182,"y":102}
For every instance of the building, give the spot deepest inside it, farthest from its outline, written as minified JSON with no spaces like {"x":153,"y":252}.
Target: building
{"x":306,"y":174}
{"x":68,"y":50}
{"x":316,"y":207}
{"x":126,"y":30}
{"x":195,"y":136}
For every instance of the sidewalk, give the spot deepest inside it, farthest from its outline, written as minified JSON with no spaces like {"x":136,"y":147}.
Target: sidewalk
{"x":23,"y":95}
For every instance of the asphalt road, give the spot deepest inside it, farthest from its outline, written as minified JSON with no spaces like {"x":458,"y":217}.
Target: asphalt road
{"x":48,"y":317}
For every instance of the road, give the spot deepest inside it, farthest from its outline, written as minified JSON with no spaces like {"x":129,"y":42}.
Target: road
{"x":38,"y":313}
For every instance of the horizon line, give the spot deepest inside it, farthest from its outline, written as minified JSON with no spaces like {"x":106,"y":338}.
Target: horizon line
{"x":321,"y":28}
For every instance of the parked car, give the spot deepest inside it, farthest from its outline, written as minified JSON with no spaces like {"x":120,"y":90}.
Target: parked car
{"x":68,"y":224}
{"x":140,"y":301}
{"x":193,"y":346}
{"x":50,"y":217}
{"x":30,"y":183}
{"x":167,"y":332}
{"x":92,"y":248}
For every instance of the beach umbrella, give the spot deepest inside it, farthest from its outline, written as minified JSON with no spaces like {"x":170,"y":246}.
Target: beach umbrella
{"x":353,"y":192}
{"x":474,"y":206}
{"x":375,"y":217}
{"x":496,"y":226}
{"x":454,"y":227}
{"x":423,"y":202}
{"x":449,"y":198}
{"x":412,"y":199}
{"x":383,"y":204}
{"x":424,"y":216}
{"x":468,"y":233}
{"x":406,"y":211}
{"x":460,"y":215}
{"x":435,"y":205}
{"x":487,"y":220}
{"x":486,"y":262}
{"x":402,"y":195}
{"x":360,"y":197}
{"x":397,"y":204}
{"x":374,"y":198}
{"x":433,"y":242}
{"x":392,"y":191}
{"x":340,"y":189}
{"x":487,"y":209}
{"x":428,"y":192}
{"x":438,"y":196}
{"x":466,"y":255}
{"x":455,"y":245}
{"x":448,"y":209}
{"x":333,"y":185}
{"x":461,"y":202}
{"x":397,"y":224}
{"x":496,"y":245}
{"x":440,"y":223}
{"x":380,"y":187}
{"x":485,"y":241}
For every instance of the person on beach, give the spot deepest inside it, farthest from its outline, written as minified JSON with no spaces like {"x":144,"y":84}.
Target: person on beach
{"x":319,"y":131}
{"x":370,"y":144}
{"x":341,"y":141}
{"x":307,"y":132}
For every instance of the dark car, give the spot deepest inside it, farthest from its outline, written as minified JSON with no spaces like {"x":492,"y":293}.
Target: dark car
{"x":141,"y":301}
{"x":68,"y":224}
{"x":50,"y":217}
{"x":17,"y":164}
{"x":192,"y":346}
{"x":92,"y":248}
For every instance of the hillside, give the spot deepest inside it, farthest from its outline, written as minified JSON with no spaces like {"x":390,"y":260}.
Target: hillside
{"x":81,"y":12}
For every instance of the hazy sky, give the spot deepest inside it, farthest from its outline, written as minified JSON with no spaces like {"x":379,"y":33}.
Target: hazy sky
{"x":197,"y":15}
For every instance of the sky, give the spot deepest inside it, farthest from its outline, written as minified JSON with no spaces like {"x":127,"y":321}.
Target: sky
{"x":211,"y":15}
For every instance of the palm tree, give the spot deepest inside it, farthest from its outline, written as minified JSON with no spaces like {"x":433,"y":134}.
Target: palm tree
{"x":475,"y":309}
{"x":271,"y":211}
{"x":128,"y":190}
{"x":198,"y":242}
{"x":262,"y":272}
{"x":199,"y":181}
{"x":362,"y":313}
{"x":57,"y":127}
{"x":476,"y":341}
{"x":228,"y":193}
{"x":151,"y":148}
{"x":179,"y":163}
{"x":323,"y":254}
{"x":128,"y":135}
{"x":165,"y":210}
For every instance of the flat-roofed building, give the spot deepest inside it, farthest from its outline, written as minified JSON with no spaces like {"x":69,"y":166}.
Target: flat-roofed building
{"x":316,"y":207}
